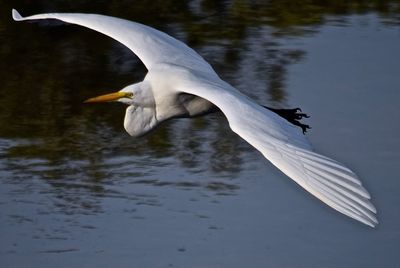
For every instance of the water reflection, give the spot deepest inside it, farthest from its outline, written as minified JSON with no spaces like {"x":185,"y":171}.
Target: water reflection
{"x":45,"y":82}
{"x":65,"y":159}
{"x":42,"y":92}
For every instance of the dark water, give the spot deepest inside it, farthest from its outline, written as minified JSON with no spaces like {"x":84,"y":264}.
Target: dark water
{"x":76,"y":190}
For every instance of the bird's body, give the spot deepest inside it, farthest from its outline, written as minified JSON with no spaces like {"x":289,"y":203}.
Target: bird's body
{"x":180,"y":83}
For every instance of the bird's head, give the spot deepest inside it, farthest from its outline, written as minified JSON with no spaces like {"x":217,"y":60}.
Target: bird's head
{"x":135,"y":94}
{"x":140,"y":116}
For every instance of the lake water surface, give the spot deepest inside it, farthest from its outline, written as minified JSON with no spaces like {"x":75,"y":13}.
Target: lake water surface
{"x":77,"y":191}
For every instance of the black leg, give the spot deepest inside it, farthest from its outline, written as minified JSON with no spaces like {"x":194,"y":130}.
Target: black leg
{"x":293,"y":116}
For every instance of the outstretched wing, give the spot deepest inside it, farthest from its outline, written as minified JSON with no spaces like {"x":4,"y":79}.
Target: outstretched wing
{"x":285,"y":146}
{"x":149,"y":44}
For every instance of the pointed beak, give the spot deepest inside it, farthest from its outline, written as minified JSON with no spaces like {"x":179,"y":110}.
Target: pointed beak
{"x":110,"y":97}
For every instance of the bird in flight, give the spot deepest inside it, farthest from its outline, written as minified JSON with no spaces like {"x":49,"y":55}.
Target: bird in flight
{"x":180,"y":83}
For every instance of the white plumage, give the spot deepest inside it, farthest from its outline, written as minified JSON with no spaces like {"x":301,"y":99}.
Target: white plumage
{"x":174,"y":68}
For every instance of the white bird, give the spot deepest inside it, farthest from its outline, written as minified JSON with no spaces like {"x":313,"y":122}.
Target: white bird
{"x":180,"y":82}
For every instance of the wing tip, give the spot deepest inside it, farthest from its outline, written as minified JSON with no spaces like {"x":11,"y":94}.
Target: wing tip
{"x":374,"y":224}
{"x":369,"y":219}
{"x":16,"y":16}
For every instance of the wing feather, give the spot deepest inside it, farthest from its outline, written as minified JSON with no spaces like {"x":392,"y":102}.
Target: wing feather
{"x":287,"y":148}
{"x":150,"y":45}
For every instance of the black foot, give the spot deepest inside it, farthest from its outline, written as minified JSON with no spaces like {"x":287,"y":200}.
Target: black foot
{"x":293,"y":116}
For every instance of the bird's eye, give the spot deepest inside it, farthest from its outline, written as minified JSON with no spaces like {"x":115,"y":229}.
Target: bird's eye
{"x":129,"y":95}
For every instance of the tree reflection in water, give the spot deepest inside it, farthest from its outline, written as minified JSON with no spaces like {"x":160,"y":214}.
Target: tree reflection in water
{"x":47,"y":70}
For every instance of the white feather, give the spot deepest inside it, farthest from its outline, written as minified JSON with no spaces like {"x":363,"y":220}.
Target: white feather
{"x":150,"y":45}
{"x":327,"y":179}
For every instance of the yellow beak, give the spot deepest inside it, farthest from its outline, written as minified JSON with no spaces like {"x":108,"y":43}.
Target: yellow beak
{"x":110,"y":97}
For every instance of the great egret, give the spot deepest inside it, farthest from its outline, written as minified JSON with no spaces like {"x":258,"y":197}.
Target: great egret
{"x":180,"y":82}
